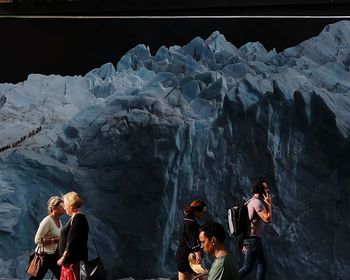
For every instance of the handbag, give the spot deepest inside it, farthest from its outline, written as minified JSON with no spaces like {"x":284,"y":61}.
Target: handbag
{"x":92,"y":269}
{"x":36,"y":261}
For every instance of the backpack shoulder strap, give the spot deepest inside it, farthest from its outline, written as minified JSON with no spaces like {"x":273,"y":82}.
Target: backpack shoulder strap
{"x":250,"y":199}
{"x":246,"y":203}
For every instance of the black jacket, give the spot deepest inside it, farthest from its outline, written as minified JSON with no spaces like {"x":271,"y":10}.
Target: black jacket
{"x":189,"y":239}
{"x":74,"y":239}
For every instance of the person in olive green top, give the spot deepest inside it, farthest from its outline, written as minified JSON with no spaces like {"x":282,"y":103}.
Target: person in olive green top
{"x":212,"y":237}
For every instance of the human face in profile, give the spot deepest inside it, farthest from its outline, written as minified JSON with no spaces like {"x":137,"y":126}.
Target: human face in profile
{"x":206,"y":244}
{"x":59,"y":209}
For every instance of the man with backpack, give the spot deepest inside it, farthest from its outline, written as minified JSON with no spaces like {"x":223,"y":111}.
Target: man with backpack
{"x":259,"y":215}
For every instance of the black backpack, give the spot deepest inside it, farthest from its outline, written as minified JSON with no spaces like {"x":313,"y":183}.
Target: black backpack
{"x":238,"y":219}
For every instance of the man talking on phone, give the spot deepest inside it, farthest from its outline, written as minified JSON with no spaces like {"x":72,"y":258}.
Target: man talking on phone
{"x":260,"y":213}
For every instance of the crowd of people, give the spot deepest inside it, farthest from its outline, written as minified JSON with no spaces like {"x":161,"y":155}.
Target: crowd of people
{"x":65,"y":246}
{"x":210,"y":238}
{"x":16,"y":143}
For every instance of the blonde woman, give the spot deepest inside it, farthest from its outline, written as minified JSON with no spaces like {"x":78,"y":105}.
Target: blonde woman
{"x":47,"y":237}
{"x":73,"y":239}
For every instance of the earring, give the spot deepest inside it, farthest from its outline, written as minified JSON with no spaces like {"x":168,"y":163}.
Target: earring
{"x":213,"y":243}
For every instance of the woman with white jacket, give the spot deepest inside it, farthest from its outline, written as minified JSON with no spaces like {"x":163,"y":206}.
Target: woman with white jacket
{"x":47,"y":237}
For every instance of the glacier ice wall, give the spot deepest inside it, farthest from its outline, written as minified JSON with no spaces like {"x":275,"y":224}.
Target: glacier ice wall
{"x":142,"y":138}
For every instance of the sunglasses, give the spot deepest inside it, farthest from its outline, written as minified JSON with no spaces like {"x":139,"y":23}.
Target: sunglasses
{"x":59,"y":205}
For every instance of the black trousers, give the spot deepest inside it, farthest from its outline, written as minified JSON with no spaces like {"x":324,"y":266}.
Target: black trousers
{"x":50,"y":263}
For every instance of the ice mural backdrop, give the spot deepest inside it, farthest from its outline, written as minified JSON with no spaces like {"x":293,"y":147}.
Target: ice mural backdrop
{"x":142,"y":137}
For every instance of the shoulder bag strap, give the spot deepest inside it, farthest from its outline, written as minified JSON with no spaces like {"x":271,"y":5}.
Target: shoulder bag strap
{"x":42,"y":249}
{"x":93,"y":241}
{"x":250,"y":220}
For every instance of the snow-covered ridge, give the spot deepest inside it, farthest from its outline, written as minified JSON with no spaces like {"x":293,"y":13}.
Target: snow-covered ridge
{"x":141,"y":138}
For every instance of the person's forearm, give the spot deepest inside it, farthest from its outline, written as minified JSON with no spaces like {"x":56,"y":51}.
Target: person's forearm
{"x":49,"y":241}
{"x":61,"y":260}
{"x":269,"y":212}
{"x":198,"y":257}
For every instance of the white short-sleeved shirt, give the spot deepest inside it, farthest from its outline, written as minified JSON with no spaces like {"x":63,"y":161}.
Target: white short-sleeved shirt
{"x":256,"y":225}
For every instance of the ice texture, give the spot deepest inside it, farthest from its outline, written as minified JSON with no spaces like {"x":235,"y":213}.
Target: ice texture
{"x":141,"y":138}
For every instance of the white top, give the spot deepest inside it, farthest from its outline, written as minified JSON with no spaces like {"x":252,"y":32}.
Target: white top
{"x":256,"y":224}
{"x":47,"y":229}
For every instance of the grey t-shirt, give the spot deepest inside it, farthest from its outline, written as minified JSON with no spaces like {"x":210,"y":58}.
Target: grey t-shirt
{"x":256,"y":224}
{"x":224,"y":268}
